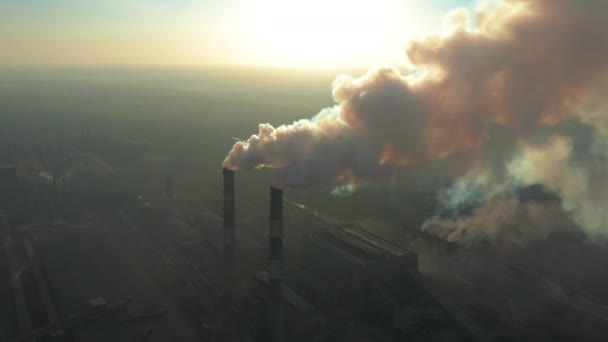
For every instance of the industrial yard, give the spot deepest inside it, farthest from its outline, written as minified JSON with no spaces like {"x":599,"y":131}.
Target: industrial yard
{"x":88,"y":257}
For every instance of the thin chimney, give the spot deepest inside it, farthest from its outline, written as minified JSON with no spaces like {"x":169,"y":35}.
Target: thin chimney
{"x":276,"y":319}
{"x":229,"y":236}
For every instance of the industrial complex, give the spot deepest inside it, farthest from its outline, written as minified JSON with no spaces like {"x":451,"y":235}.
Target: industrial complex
{"x":86,"y":258}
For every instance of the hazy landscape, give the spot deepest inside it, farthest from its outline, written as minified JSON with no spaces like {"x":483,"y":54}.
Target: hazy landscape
{"x":303,"y":171}
{"x":176,"y":122}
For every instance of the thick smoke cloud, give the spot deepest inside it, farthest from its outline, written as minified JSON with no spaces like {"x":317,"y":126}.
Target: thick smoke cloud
{"x":491,"y":93}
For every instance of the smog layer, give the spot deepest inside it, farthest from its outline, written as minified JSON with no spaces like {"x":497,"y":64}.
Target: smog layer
{"x":502,"y":98}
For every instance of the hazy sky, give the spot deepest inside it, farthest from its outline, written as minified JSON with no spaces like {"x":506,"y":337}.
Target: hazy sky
{"x":286,"y":33}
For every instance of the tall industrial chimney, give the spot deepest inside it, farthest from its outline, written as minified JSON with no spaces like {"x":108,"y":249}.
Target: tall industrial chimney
{"x":276,"y":322}
{"x":229,"y":240}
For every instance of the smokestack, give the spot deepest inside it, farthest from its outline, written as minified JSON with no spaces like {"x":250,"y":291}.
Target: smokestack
{"x":229,"y":240}
{"x":276,"y":319}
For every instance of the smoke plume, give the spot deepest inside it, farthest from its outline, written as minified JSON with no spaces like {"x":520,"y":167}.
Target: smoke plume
{"x":503,"y":222}
{"x":492,"y":94}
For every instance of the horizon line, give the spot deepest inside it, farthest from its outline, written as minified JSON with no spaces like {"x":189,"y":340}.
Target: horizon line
{"x":194,"y":66}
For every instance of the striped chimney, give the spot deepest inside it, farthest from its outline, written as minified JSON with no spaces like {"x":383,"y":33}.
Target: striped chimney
{"x":229,"y":235}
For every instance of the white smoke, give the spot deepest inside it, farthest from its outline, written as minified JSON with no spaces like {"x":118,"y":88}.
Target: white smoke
{"x":581,"y":185}
{"x":503,"y":222}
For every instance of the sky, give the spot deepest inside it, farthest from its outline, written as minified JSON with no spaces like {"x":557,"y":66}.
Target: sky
{"x":280,"y":33}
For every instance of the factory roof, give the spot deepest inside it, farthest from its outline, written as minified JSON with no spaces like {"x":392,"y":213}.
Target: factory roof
{"x":362,"y":244}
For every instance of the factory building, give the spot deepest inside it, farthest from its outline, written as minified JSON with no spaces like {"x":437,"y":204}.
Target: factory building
{"x":363,"y":278}
{"x":342,"y":261}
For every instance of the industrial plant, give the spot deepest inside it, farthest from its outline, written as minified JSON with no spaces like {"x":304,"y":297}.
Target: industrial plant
{"x":87,"y":257}
{"x":246,"y":171}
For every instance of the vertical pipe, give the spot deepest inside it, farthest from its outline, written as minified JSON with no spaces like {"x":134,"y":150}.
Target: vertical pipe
{"x":276,"y":319}
{"x":229,"y":236}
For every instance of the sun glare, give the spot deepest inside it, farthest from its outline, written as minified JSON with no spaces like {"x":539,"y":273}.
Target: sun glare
{"x":320,"y":33}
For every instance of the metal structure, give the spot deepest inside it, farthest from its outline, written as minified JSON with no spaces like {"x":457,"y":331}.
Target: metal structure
{"x":229,"y":235}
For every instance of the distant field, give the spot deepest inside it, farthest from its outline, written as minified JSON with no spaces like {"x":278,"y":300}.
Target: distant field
{"x":187,"y":108}
{"x":199,"y":95}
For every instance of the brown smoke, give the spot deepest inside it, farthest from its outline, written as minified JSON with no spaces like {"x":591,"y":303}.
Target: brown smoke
{"x":523,"y":65}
